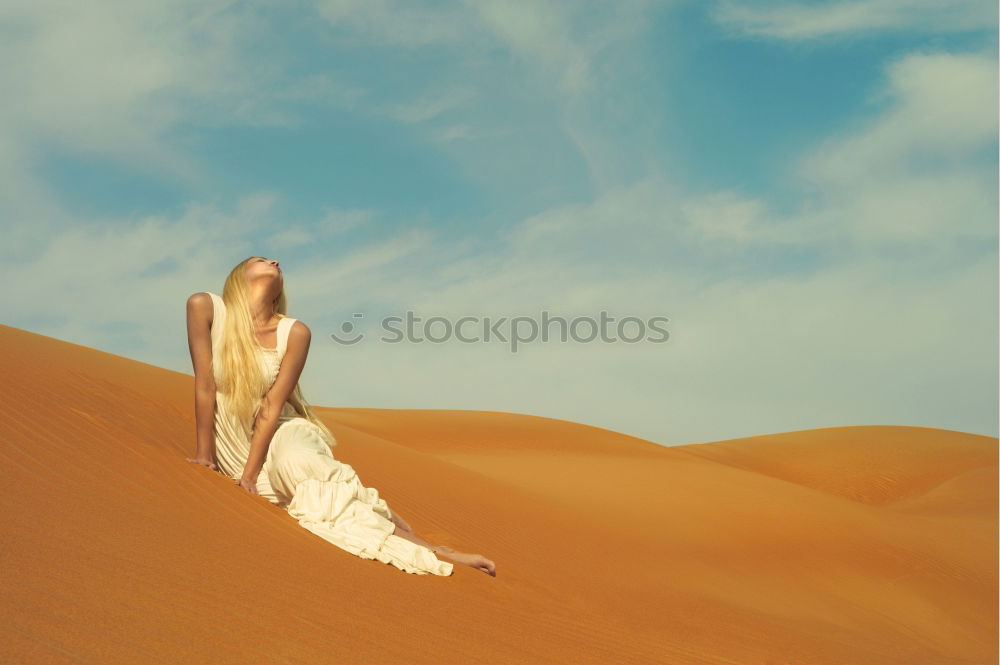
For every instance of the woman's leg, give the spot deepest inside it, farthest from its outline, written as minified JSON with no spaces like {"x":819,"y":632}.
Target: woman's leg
{"x":400,"y":522}
{"x":477,"y":561}
{"x":414,"y":538}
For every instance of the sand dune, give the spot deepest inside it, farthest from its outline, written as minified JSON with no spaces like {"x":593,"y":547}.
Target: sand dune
{"x":861,"y":545}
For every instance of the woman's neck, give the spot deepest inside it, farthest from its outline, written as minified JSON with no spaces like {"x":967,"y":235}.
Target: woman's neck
{"x":262,"y":307}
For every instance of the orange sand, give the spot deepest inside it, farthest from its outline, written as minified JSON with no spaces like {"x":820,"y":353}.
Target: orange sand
{"x":859,"y":545}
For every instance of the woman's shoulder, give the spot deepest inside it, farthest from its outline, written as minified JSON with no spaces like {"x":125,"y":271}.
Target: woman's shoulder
{"x":208,"y":306}
{"x":204,"y":298}
{"x":202,"y":303}
{"x":200,"y":298}
{"x":298,"y":328}
{"x":298,"y":333}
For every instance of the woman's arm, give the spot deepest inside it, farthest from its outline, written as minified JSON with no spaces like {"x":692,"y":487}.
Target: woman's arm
{"x":199,"y":326}
{"x":266,"y":423}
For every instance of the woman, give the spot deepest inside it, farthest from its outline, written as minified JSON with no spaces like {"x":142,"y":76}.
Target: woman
{"x":254,"y":425}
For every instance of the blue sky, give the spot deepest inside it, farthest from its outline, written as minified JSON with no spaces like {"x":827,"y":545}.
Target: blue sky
{"x":808,"y":191}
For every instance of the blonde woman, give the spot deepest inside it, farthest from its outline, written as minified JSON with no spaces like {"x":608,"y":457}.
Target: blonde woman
{"x":255,"y":426}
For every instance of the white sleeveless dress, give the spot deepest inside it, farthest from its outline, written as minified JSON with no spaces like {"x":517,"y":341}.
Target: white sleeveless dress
{"x":301,"y":475}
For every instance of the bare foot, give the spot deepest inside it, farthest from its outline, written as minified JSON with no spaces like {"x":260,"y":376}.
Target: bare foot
{"x":477,"y":561}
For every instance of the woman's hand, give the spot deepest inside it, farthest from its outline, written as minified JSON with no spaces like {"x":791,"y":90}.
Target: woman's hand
{"x":204,"y":462}
{"x":248,"y":484}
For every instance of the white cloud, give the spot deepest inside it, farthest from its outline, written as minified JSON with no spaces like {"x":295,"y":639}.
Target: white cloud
{"x":562,"y":53}
{"x":557,"y":38}
{"x":726,"y":216}
{"x":429,"y":106}
{"x":865,"y":341}
{"x":340,"y":221}
{"x":397,"y":23}
{"x":540,"y":34}
{"x":796,"y":21}
{"x":109,"y":78}
{"x":110,"y":285}
{"x":326,"y":88}
{"x":913,"y":174}
{"x":455,"y":133}
{"x":101,"y":279}
{"x":894,"y":324}
{"x":290,"y":238}
{"x":898,"y":324}
{"x":941,"y":107}
{"x":383,"y":265}
{"x":109,"y":81}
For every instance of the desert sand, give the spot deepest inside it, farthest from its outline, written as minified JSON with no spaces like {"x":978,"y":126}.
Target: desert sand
{"x":861,"y":545}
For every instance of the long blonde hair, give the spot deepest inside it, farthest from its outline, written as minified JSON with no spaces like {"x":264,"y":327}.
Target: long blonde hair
{"x":240,"y":378}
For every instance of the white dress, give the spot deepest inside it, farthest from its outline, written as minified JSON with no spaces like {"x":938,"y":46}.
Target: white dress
{"x":301,"y":475}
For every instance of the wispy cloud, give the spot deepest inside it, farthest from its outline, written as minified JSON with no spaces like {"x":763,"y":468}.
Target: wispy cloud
{"x":850,"y":326}
{"x":917,"y":172}
{"x":110,"y":78}
{"x":398,"y":23}
{"x":556,"y":39}
{"x":110,"y":81}
{"x":429,"y":106}
{"x":781,"y":317}
{"x":798,"y":21}
{"x":339,"y":221}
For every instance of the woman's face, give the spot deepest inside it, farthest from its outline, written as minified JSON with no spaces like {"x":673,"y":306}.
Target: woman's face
{"x":260,"y":266}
